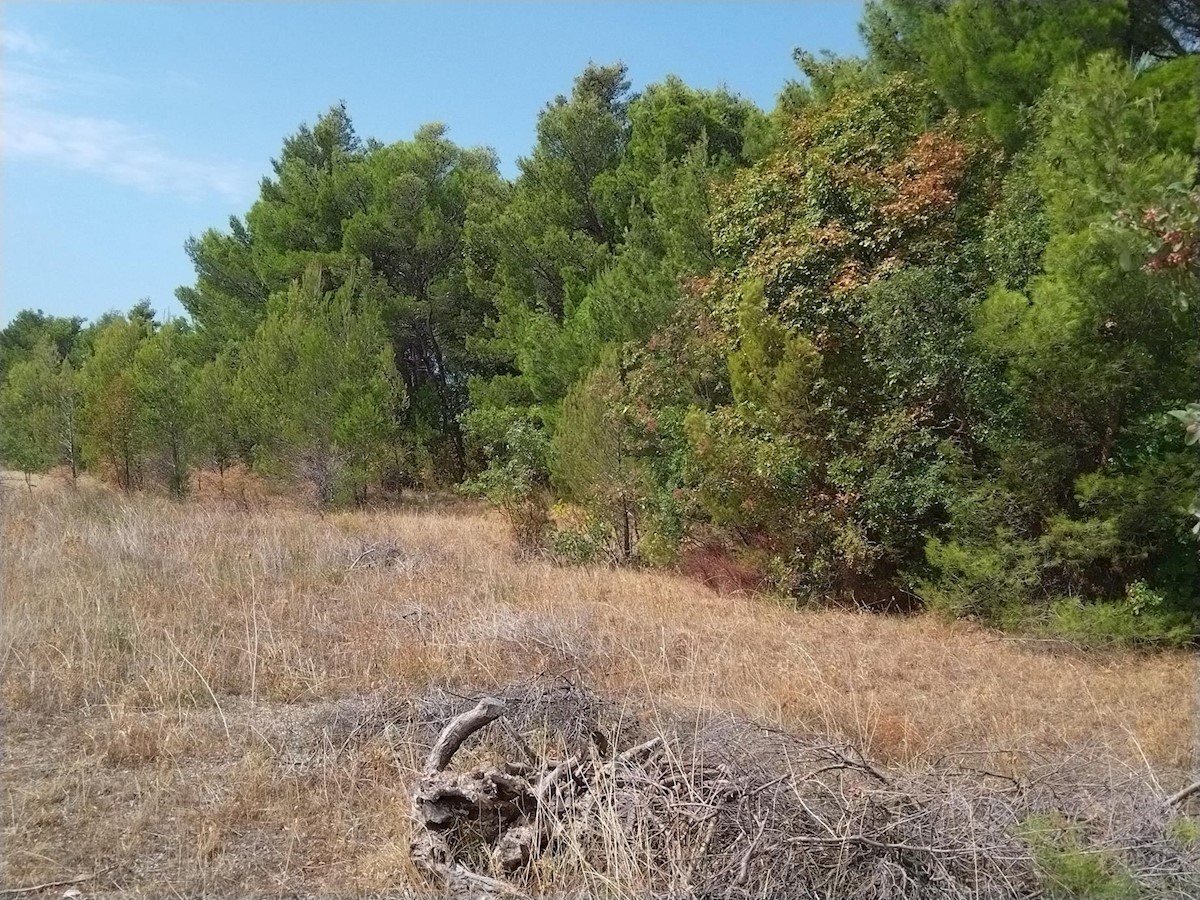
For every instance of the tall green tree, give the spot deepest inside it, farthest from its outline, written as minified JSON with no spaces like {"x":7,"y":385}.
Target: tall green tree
{"x":39,"y":413}
{"x":335,"y":202}
{"x":998,"y":56}
{"x":320,"y":390}
{"x":216,"y":431}
{"x":111,"y":437}
{"x":852,"y":255}
{"x":1083,"y":486}
{"x":29,"y":330}
{"x":589,"y":253}
{"x":409,"y":227}
{"x":162,"y":375}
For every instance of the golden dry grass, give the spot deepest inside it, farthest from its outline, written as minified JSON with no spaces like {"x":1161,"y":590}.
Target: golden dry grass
{"x":170,"y":672}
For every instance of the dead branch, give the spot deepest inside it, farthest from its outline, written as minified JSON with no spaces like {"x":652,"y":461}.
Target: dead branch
{"x":46,"y":885}
{"x":460,"y":728}
{"x":1181,"y":795}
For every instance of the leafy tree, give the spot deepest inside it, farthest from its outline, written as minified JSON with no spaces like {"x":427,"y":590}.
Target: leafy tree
{"x":586,"y":256}
{"x":37,"y":412}
{"x":162,"y":375}
{"x":334,"y":202}
{"x":230,"y":296}
{"x":854,"y":251}
{"x":30,"y":329}
{"x":516,"y":478}
{"x":534,"y":250}
{"x":111,"y":438}
{"x":410,"y":228}
{"x":593,"y":459}
{"x":216,"y":433}
{"x":319,"y":387}
{"x":1083,"y":482}
{"x":998,"y":56}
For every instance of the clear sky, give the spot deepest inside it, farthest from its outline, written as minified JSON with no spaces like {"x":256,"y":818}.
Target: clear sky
{"x":127,"y":127}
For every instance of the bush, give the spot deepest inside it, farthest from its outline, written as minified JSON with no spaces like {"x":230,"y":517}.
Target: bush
{"x":515,"y":481}
{"x":589,"y":542}
{"x":1142,"y":617}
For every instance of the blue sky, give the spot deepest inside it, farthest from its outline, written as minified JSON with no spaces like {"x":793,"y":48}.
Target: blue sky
{"x":128,"y":126}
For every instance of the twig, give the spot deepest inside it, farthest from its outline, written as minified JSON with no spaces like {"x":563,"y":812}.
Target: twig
{"x":45,"y":886}
{"x":519,"y":740}
{"x":1179,"y":796}
{"x":744,"y":867}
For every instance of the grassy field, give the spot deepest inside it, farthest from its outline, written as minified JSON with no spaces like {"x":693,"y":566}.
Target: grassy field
{"x":195,"y":695}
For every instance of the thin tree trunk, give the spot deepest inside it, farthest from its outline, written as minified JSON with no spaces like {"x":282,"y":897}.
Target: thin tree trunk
{"x":71,"y":449}
{"x":626,"y":543}
{"x":449,"y":421}
{"x":176,"y":464}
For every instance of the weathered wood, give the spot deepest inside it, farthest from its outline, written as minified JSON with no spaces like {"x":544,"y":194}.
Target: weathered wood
{"x":462,"y":882}
{"x":442,"y":801}
{"x":640,"y":752}
{"x":518,"y":808}
{"x":461,"y":727}
{"x":517,"y":845}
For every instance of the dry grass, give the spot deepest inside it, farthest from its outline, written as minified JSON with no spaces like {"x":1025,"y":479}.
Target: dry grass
{"x":201,"y":696}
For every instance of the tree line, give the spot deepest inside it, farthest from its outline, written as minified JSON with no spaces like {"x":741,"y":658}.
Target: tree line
{"x":923,"y":334}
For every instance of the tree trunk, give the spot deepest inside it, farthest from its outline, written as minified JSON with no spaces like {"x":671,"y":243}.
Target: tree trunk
{"x":626,"y":542}
{"x":176,"y":467}
{"x":71,"y":446}
{"x":449,"y":420}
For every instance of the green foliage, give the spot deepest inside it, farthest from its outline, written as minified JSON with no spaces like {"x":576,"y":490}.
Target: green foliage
{"x":593,"y":459}
{"x":1190,"y":417}
{"x":585,"y":260}
{"x":772,"y":368}
{"x":1069,"y":869}
{"x":856,"y":247}
{"x":29,"y":426}
{"x":996,"y":56}
{"x":319,"y":388}
{"x":1143,"y":617}
{"x":216,"y":432}
{"x":583,"y":544}
{"x":111,"y":437}
{"x":1171,"y":88}
{"x":911,"y":337}
{"x":1081,"y":490}
{"x":1185,"y":830}
{"x":162,"y":376}
{"x":516,"y":477}
{"x":401,"y":208}
{"x":1016,"y":230}
{"x":29,"y":331}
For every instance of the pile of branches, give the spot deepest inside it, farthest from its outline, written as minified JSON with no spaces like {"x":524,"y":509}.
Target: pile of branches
{"x":723,"y":808}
